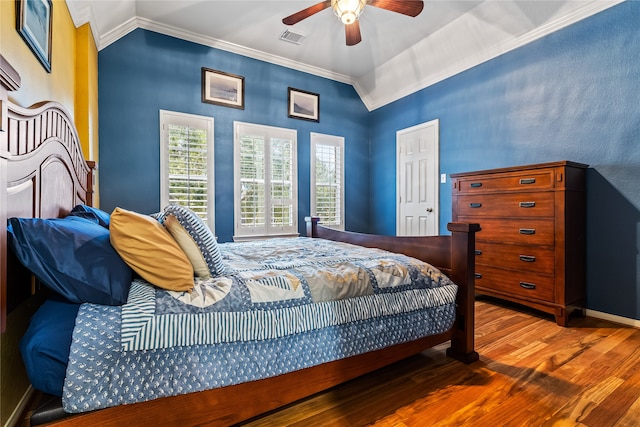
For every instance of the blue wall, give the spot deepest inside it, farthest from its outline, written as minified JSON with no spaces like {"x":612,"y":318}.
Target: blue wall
{"x":572,"y":95}
{"x":145,"y":72}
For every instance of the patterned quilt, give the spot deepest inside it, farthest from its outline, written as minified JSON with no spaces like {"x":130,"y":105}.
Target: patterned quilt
{"x":284,"y":305}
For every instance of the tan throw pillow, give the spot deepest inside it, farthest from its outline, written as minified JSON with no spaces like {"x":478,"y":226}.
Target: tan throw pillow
{"x":201,"y":235}
{"x":188,"y":246}
{"x":148,"y":248}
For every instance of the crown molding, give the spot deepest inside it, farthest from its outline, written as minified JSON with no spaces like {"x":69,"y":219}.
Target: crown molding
{"x":150,"y":25}
{"x":384,"y":92}
{"x":82,"y":13}
{"x":118,"y":32}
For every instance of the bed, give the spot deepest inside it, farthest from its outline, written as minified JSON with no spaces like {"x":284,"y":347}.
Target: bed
{"x":43,"y":174}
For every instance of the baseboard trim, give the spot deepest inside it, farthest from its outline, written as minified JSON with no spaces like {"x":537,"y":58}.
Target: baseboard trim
{"x":18,"y":411}
{"x":613,"y":318}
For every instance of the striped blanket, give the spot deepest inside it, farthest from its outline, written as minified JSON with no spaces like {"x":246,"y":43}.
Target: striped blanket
{"x":285,"y":304}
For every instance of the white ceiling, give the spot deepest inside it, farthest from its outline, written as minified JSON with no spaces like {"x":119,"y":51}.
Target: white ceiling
{"x":398,"y":55}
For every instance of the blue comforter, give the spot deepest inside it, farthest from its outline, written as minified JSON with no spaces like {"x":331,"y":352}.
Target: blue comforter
{"x":285,"y":304}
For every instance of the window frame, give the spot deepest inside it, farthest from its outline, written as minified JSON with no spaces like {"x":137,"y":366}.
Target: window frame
{"x":334,"y":141}
{"x":268,"y":133}
{"x":193,"y":121}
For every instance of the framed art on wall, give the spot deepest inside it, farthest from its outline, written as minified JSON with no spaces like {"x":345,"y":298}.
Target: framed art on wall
{"x":304,"y":105}
{"x":34,"y":25}
{"x":222,"y":88}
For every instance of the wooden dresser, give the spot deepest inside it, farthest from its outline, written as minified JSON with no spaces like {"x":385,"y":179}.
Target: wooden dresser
{"x":531,"y":247}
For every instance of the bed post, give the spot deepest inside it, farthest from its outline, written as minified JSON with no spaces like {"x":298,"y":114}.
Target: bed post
{"x":463,"y":273}
{"x":312,"y":225}
{"x":90,"y":190}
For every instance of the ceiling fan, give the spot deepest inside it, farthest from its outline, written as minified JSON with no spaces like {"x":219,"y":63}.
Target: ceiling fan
{"x":349,"y":11}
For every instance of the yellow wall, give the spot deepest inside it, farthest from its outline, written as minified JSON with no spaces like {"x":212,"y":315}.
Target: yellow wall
{"x":86,"y":102}
{"x":73,"y":82}
{"x":37,"y":84}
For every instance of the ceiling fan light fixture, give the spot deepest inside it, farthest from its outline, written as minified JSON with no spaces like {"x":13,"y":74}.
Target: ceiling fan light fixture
{"x":348,"y":10}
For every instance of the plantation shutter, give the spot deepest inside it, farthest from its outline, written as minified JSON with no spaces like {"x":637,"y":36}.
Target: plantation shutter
{"x":265,"y":167}
{"x":281,"y":183}
{"x":327,"y":180}
{"x":252,"y":182}
{"x":188,"y":163}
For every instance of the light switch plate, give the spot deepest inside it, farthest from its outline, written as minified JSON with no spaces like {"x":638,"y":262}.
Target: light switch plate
{"x":443,"y":178}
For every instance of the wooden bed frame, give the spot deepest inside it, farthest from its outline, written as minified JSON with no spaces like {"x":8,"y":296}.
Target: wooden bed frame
{"x":43,"y":174}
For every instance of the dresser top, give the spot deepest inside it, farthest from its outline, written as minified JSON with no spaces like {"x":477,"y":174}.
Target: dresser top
{"x":564,"y":163}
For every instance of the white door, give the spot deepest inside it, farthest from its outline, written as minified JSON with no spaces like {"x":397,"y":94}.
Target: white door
{"x":417,"y":154}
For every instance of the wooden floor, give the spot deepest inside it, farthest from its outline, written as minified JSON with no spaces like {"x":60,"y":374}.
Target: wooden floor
{"x":531,"y":373}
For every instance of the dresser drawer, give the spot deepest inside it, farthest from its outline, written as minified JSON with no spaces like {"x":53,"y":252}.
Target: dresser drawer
{"x":522,"y":284}
{"x":522,"y":231}
{"x":541,"y":179}
{"x":536,"y":259}
{"x":528,"y":204}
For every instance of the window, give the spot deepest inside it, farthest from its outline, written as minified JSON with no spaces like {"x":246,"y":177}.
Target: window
{"x":327,"y":179}
{"x":266,"y":177}
{"x":186,"y":163}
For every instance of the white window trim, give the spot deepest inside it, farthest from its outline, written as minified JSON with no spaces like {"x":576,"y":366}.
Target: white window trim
{"x":173,"y":117}
{"x":336,"y":141}
{"x":246,"y":233}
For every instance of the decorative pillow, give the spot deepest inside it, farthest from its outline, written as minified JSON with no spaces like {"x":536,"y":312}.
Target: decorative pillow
{"x":96,"y":215}
{"x":73,"y":257}
{"x":150,"y":250}
{"x":195,"y":239}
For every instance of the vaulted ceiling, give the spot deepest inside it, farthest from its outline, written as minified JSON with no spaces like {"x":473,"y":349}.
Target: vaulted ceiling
{"x":398,"y":55}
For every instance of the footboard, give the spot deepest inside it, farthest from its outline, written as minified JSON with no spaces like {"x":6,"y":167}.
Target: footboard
{"x":453,"y":255}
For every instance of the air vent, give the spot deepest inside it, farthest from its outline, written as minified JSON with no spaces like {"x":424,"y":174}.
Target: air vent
{"x":292,"y":37}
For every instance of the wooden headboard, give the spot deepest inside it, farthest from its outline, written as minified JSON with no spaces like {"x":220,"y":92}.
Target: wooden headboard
{"x":35,"y":143}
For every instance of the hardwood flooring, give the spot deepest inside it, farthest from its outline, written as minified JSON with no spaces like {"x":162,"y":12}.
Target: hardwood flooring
{"x":531,"y":372}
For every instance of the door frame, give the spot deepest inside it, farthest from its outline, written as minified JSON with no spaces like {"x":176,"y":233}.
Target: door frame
{"x":436,"y":153}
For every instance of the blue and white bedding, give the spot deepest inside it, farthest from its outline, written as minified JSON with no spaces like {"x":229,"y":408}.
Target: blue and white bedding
{"x":284,"y":305}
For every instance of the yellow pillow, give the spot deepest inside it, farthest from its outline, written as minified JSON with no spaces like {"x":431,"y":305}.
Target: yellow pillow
{"x":148,"y":248}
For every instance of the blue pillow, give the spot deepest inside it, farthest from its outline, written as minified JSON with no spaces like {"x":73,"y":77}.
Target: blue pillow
{"x":46,"y":345}
{"x":201,"y":237}
{"x":96,"y":215}
{"x":73,"y":257}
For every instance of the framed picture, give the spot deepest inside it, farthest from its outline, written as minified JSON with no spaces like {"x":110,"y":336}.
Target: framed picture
{"x":222,"y":88}
{"x":304,"y":105}
{"x":34,"y":25}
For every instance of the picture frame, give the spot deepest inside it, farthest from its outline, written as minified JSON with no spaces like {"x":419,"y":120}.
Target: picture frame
{"x":222,"y":88}
{"x":304,"y":105}
{"x":34,"y":23}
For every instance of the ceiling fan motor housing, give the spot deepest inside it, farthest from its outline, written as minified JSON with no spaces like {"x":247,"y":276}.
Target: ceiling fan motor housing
{"x":348,"y":10}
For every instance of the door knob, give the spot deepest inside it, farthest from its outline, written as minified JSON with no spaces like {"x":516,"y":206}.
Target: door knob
{"x":429,"y":209}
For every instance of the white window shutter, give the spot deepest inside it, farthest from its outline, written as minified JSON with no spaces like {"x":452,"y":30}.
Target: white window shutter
{"x":327,"y":179}
{"x":265,"y":170}
{"x":187,"y":163}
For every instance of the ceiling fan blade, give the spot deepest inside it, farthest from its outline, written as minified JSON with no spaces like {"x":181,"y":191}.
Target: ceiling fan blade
{"x":405,"y":7}
{"x":305,"y":13}
{"x":353,"y":33}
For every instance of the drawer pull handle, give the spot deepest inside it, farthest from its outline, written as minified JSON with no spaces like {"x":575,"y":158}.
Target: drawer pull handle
{"x":478,"y":276}
{"x":478,"y":252}
{"x":475,"y":185}
{"x":526,"y":285}
{"x":475,"y":205}
{"x":527,"y":204}
{"x":524,"y":181}
{"x":528,"y":231}
{"x":527,"y":258}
